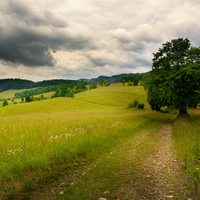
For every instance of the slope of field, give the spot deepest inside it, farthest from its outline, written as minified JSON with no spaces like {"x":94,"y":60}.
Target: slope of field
{"x":44,"y":141}
{"x":9,"y":93}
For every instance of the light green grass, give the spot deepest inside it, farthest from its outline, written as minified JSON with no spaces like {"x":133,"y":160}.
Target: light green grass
{"x":54,"y":134}
{"x":10,"y":93}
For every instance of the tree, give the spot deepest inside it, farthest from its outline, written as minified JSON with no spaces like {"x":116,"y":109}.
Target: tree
{"x":93,"y":85}
{"x":104,"y":82}
{"x":123,"y":81}
{"x":29,"y":99}
{"x":174,"y":80}
{"x":130,"y":83}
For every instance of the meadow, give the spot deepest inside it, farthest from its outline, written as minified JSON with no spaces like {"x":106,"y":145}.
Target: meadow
{"x":42,"y":140}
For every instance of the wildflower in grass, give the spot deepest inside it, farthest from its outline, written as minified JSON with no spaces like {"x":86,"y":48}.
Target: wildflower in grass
{"x":14,"y":151}
{"x":196,"y":187}
{"x":71,"y":133}
{"x":115,"y":124}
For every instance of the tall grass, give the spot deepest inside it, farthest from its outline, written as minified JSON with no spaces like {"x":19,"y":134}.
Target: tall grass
{"x":186,"y":133}
{"x":37,"y":137}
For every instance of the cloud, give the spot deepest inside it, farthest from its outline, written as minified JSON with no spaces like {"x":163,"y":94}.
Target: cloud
{"x":28,"y":37}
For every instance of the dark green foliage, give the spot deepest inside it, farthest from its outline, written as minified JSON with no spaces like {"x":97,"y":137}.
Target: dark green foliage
{"x":81,"y":86}
{"x":93,"y":85}
{"x":133,"y":78}
{"x":29,"y":99}
{"x":7,"y":84}
{"x":5,"y":103}
{"x":63,"y":91}
{"x":140,"y":106}
{"x":136,"y":104}
{"x":174,"y":80}
{"x":66,"y":90}
{"x":104,"y":82}
{"x":69,"y":93}
{"x":35,"y":91}
{"x":133,"y":105}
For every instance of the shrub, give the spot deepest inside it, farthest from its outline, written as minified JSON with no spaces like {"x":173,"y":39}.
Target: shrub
{"x":135,"y":103}
{"x":130,"y":105}
{"x":5,"y":103}
{"x":29,"y":99}
{"x":140,"y":106}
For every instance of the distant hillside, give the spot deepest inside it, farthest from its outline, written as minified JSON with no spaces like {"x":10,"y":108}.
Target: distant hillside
{"x":16,"y":83}
{"x":10,"y":83}
{"x":118,"y":78}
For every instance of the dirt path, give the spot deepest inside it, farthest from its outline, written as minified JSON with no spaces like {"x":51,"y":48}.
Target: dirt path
{"x":159,"y":174}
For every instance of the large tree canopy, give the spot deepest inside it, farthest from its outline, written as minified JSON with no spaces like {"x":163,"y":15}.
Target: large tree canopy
{"x":174,"y":80}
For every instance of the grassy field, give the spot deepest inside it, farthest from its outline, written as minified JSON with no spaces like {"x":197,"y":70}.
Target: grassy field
{"x":42,"y":140}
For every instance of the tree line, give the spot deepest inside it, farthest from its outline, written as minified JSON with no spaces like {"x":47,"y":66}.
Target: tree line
{"x":64,"y":90}
{"x":132,"y":79}
{"x":16,"y":83}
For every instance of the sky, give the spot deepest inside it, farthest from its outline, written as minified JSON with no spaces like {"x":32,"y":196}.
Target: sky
{"x":73,"y":39}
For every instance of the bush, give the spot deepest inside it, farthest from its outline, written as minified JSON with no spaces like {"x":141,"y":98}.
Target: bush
{"x":140,"y":106}
{"x":130,"y":105}
{"x":135,"y":103}
{"x":5,"y":103}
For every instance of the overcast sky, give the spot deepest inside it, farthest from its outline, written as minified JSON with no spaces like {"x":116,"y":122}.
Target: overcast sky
{"x":72,"y":39}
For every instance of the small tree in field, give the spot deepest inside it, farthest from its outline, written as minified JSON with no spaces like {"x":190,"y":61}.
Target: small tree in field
{"x":174,"y":80}
{"x":29,"y":99}
{"x":103,"y":82}
{"x":140,"y":106}
{"x":123,"y":82}
{"x":5,"y":103}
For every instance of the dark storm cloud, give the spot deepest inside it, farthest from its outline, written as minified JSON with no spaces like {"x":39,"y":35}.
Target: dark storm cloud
{"x":28,"y":36}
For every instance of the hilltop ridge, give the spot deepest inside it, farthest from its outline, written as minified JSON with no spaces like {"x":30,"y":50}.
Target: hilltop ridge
{"x":17,"y":83}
